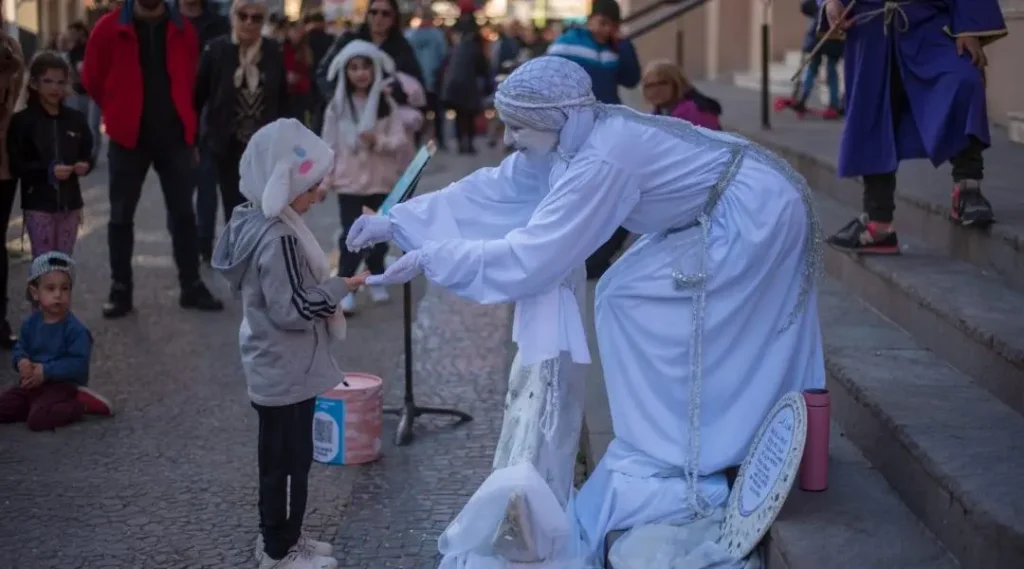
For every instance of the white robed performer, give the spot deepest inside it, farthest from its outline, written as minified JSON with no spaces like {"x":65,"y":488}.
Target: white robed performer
{"x":703,"y":325}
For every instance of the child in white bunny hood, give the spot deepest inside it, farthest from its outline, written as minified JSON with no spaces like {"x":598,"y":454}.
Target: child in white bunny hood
{"x":371,"y":144}
{"x":290,"y":323}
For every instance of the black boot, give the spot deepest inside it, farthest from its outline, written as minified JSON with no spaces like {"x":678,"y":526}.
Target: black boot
{"x":119,"y":302}
{"x":198,"y":297}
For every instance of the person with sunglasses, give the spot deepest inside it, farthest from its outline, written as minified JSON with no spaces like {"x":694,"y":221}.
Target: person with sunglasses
{"x":241,"y":86}
{"x":140,"y":68}
{"x":383,"y":28}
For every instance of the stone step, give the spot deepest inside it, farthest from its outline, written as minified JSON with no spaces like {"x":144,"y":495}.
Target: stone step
{"x":952,"y":451}
{"x":922,"y":200}
{"x":949,"y":306}
{"x":858,"y":523}
{"x":793,"y":58}
{"x":1017,"y":127}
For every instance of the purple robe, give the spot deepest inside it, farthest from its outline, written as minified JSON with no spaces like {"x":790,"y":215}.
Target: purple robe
{"x":945,"y":92}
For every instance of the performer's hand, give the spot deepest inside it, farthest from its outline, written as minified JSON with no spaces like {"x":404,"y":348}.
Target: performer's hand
{"x":972,"y":45}
{"x":405,"y":269}
{"x":834,"y":14}
{"x":368,"y":230}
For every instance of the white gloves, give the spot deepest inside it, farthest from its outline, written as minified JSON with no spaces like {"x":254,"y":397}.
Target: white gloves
{"x":367,"y":231}
{"x":405,"y":269}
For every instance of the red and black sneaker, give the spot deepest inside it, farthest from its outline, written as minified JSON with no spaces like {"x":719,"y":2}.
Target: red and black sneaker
{"x":865,"y":238}
{"x":970,"y":208}
{"x":95,"y":404}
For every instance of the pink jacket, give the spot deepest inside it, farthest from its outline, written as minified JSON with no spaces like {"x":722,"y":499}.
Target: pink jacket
{"x":367,"y":171}
{"x":688,"y":111}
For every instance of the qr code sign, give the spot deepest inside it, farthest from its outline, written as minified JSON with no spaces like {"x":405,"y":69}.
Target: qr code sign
{"x":323,"y":431}
{"x":326,"y":437}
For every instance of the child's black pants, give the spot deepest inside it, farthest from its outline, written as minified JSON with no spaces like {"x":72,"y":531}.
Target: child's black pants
{"x":285,"y":455}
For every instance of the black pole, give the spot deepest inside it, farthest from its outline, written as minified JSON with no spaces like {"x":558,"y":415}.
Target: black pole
{"x":409,"y":411}
{"x":765,"y":79}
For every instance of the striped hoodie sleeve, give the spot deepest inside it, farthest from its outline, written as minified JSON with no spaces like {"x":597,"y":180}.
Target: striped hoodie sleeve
{"x":294,"y":302}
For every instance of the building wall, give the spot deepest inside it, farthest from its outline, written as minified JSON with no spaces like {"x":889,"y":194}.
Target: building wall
{"x":1005,"y":90}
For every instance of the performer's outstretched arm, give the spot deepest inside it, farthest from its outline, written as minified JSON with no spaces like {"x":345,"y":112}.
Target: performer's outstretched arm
{"x":579,"y":214}
{"x":486,"y":204}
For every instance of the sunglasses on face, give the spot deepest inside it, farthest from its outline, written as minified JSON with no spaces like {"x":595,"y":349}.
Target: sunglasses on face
{"x":380,"y":13}
{"x":245,"y":17}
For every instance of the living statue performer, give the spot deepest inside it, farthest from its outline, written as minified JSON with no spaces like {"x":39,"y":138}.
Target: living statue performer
{"x":915,"y":89}
{"x":702,"y":326}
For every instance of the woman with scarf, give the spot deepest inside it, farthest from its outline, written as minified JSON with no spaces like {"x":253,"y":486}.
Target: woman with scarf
{"x":242,"y":84}
{"x":363,"y":126}
{"x":382,"y":28}
{"x":703,"y":325}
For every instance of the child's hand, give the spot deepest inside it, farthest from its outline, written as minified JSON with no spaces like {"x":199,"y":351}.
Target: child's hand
{"x":62,"y":171}
{"x":81,"y":168}
{"x":35,"y":379}
{"x":24,"y":367}
{"x":353,"y":283}
{"x":368,"y":138}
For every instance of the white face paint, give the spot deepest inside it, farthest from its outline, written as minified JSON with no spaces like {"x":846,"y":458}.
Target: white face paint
{"x":531,"y":141}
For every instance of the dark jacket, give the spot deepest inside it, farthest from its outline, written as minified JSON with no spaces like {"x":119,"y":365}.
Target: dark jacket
{"x":832,"y":49}
{"x":114,"y":78}
{"x":467,"y":77}
{"x":210,"y":25}
{"x":396,"y":46}
{"x":36,"y":142}
{"x":75,"y":58}
{"x":216,"y":93}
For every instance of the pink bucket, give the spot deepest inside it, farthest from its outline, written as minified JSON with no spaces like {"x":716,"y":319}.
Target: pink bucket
{"x":349,"y":421}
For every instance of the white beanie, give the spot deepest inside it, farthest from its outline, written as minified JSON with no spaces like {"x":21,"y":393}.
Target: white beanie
{"x":282,"y":161}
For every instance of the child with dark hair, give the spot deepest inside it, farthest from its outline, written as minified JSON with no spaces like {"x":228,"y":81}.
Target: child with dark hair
{"x":371,"y":145}
{"x":52,"y":354}
{"x":50,"y":146}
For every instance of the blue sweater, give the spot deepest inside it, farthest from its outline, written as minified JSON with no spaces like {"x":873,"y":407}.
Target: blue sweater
{"x":608,"y":68}
{"x":64,"y":348}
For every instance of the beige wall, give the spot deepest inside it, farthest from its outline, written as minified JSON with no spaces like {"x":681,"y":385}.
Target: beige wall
{"x":1005,"y":89}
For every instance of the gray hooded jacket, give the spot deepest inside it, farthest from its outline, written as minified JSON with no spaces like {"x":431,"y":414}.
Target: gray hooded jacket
{"x":286,"y":349}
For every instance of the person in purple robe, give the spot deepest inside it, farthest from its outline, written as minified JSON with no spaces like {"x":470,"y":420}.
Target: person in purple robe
{"x":915,"y":89}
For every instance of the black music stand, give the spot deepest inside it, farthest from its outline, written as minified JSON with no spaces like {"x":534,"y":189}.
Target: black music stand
{"x":409,"y":410}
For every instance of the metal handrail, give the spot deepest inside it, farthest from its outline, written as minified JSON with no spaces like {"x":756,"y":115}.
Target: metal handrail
{"x":648,"y":9}
{"x":680,"y":7}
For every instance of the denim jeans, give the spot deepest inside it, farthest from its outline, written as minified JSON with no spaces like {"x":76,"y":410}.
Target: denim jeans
{"x":831,"y":78}
{"x":206,"y":200}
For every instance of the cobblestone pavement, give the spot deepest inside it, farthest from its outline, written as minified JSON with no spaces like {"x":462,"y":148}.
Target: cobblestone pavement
{"x":170,"y":482}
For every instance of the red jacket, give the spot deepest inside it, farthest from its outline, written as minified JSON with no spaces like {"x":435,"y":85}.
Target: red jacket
{"x":112,"y":76}
{"x":294,"y":64}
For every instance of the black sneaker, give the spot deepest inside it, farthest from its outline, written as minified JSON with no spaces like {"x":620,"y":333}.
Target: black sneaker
{"x":970,"y":208}
{"x":198,"y":297}
{"x":119,"y":302}
{"x":863,"y":237}
{"x":7,"y":337}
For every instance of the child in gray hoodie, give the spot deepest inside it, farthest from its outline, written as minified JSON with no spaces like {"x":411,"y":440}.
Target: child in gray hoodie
{"x":290,"y":323}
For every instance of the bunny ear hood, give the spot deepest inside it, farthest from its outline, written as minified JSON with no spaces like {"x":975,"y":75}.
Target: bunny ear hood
{"x":357,"y":48}
{"x":283,"y":160}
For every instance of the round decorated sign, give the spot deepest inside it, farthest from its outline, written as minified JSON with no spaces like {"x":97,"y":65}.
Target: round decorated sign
{"x":766,"y":476}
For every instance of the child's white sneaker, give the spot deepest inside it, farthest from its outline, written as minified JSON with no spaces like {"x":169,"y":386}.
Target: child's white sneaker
{"x":299,"y":559}
{"x":348,"y":304}
{"x":379,"y":294}
{"x":308,"y":544}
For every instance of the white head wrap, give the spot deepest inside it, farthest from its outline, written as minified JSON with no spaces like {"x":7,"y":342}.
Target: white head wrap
{"x":351,"y":126}
{"x":549,"y":94}
{"x":282,"y":161}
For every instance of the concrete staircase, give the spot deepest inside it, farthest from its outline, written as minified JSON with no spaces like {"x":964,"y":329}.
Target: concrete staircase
{"x":1017,"y":127}
{"x":925,"y":362}
{"x":779,"y":75}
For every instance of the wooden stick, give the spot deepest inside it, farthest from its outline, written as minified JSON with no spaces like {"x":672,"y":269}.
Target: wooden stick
{"x":821,"y":43}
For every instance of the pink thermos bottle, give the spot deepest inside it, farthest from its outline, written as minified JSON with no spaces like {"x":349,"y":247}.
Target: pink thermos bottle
{"x":814,"y":465}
